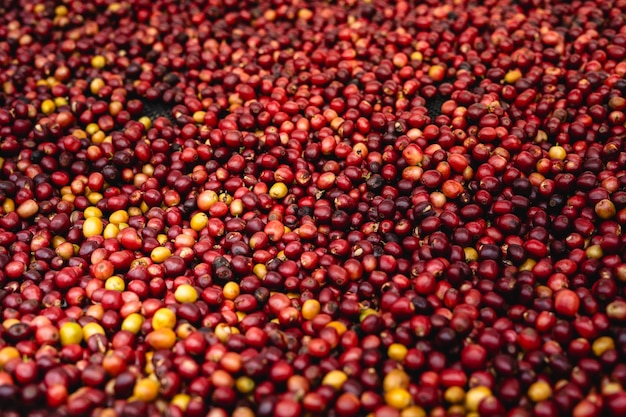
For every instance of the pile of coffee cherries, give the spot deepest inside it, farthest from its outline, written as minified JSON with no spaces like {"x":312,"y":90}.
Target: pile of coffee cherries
{"x":312,"y":208}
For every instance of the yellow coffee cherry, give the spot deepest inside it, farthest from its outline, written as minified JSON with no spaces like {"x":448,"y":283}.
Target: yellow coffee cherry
{"x":231,"y":290}
{"x":57,"y":241}
{"x":115,"y":283}
{"x":110,"y":231}
{"x":398,"y":398}
{"x":160,"y":254}
{"x":199,"y":221}
{"x":186,"y":293}
{"x":527,"y":265}
{"x":134,"y":211}
{"x":66,"y":196}
{"x":119,"y":216}
{"x":163,"y":338}
{"x":92,"y":211}
{"x":335,"y":379}
{"x":470,"y":254}
{"x":454,"y":395}
{"x":10,"y":322}
{"x":594,"y":252}
{"x":96,"y":85}
{"x":184,"y":329}
{"x":94,"y":197}
{"x":90,"y":329}
{"x":278,"y":190}
{"x":512,"y":76}
{"x":98,"y":61}
{"x":149,"y":368}
{"x":557,"y":152}
{"x":602,"y":344}
{"x":474,"y":396}
{"x":366,"y":312}
{"x":539,"y":391}
{"x":339,"y":326}
{"x":244,"y":384}
{"x":146,"y":122}
{"x":225,"y":198}
{"x":605,"y":209}
{"x":8,"y":205}
{"x":260,"y":270}
{"x":60,"y":101}
{"x":133,"y":322}
{"x":223,"y":332}
{"x":146,"y":389}
{"x":181,"y":401}
{"x":92,"y":128}
{"x":396,"y":378}
{"x":47,"y":107}
{"x":198,"y":116}
{"x":70,"y":333}
{"x":7,"y":353}
{"x":413,"y":411}
{"x":310,"y":309}
{"x":92,"y":227}
{"x":397,"y":352}
{"x":612,"y":388}
{"x":60,"y":10}
{"x":163,"y":318}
